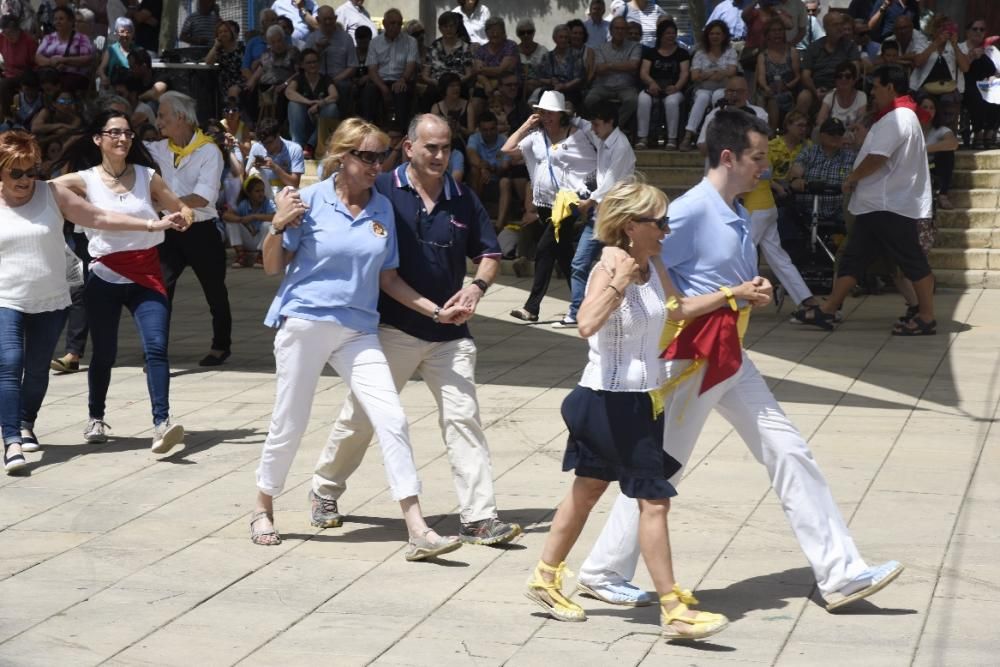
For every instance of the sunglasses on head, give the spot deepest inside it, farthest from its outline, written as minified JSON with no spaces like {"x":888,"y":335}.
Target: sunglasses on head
{"x":34,"y":172}
{"x":663,"y":224}
{"x":371,"y":157}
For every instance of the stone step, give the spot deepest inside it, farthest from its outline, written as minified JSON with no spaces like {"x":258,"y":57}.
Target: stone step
{"x":980,"y":178}
{"x":967,"y":278}
{"x":977,"y":159}
{"x":976,"y":198}
{"x":965,"y":258}
{"x":967,"y":238}
{"x":967,"y":218}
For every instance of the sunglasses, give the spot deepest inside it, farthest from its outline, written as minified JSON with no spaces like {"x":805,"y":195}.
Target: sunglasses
{"x":34,"y":172}
{"x":229,"y":110}
{"x":663,"y":224}
{"x":371,"y":157}
{"x":117,"y":133}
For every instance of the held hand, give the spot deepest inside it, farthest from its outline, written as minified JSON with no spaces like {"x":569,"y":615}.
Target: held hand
{"x":172,"y":221}
{"x":399,"y":86}
{"x":654,"y":89}
{"x":848,"y":187}
{"x":763,"y":286}
{"x":624,"y":265}
{"x":289,"y":209}
{"x":454,"y":314}
{"x":466,"y":298}
{"x":188,"y":216}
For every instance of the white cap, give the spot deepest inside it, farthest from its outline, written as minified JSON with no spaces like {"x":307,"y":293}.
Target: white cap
{"x":552,"y":100}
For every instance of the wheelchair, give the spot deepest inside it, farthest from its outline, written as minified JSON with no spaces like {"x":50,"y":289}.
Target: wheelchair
{"x":810,"y":238}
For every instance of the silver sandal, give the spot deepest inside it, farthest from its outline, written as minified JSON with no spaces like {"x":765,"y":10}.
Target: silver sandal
{"x":421,"y":548}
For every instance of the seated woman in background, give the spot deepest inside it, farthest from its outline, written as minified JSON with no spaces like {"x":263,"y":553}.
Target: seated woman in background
{"x":664,"y":73}
{"x":941,"y":146}
{"x":845,"y":102}
{"x":453,"y":107}
{"x":713,"y":63}
{"x":249,"y":222}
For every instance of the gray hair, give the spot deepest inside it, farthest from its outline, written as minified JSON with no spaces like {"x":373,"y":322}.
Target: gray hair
{"x":412,"y":132}
{"x":493,"y":22}
{"x":274,"y":30}
{"x":106,"y":100}
{"x":525,"y":24}
{"x":559,"y":28}
{"x":124,"y":22}
{"x":264,"y":13}
{"x":183,"y":106}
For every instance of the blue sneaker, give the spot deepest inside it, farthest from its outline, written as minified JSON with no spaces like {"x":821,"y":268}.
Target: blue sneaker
{"x":623,"y":594}
{"x":867,"y":583}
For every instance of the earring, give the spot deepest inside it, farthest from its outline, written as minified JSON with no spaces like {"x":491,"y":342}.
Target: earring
{"x":630,"y":242}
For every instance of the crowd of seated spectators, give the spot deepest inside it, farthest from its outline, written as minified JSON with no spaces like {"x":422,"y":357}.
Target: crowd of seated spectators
{"x":305,"y":66}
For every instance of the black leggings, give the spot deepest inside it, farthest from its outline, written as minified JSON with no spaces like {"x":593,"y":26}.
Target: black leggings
{"x":548,"y":252}
{"x":943,"y":170}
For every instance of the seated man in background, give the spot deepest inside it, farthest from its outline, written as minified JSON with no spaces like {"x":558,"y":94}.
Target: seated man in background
{"x":821,"y":59}
{"x":392,"y":64}
{"x":616,"y":73}
{"x":489,"y":169}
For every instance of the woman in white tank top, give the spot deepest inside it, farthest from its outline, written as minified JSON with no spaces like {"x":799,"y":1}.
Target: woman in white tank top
{"x":125,"y":272}
{"x":34,"y":293}
{"x":615,"y":433}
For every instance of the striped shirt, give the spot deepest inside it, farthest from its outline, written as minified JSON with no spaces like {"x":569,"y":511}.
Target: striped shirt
{"x":199,"y":29}
{"x":392,"y":57}
{"x":645,"y":17}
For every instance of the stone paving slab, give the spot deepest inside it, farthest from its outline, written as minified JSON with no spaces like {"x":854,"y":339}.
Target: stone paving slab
{"x":111,"y":556}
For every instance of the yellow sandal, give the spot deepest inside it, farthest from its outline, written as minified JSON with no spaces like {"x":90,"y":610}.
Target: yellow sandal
{"x":703,"y":624}
{"x":548,"y":594}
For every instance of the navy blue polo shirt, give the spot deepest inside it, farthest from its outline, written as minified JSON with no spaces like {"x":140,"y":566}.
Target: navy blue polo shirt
{"x":433,"y":246}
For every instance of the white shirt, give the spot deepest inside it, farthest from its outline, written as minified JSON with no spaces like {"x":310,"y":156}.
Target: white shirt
{"x":847,"y":115}
{"x":903,"y":184}
{"x":732,"y":16}
{"x":615,"y":160}
{"x":561,"y":166}
{"x":300,"y":29}
{"x":197,"y":174}
{"x":351,"y":17}
{"x":33,"y":264}
{"x":919,"y":75}
{"x":624,"y":354}
{"x":475,"y":23}
{"x":646,"y":17}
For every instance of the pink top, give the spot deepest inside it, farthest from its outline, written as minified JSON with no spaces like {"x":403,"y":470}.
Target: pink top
{"x":80,"y":45}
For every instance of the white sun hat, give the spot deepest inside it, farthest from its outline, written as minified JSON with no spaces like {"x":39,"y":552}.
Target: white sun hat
{"x":552,"y":100}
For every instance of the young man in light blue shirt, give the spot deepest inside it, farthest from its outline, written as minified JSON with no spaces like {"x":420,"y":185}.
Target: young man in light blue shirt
{"x":710,"y":248}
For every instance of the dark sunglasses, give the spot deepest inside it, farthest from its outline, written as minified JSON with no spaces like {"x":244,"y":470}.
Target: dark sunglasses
{"x":117,"y":133}
{"x":663,"y":224}
{"x":229,"y":110}
{"x":34,"y":172}
{"x":371,"y":157}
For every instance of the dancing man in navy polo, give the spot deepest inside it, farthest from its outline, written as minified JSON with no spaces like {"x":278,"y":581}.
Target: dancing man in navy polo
{"x":439,"y":223}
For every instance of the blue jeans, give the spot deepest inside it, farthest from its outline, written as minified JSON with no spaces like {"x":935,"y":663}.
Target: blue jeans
{"x":304,"y":127}
{"x":151,"y":313}
{"x":27,"y":341}
{"x":587,"y":252}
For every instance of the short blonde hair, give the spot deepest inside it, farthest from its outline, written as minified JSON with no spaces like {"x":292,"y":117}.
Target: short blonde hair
{"x":630,"y":199}
{"x":18,"y":146}
{"x":350,"y":134}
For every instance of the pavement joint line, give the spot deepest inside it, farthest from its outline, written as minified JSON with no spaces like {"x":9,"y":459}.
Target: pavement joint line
{"x":985,"y":428}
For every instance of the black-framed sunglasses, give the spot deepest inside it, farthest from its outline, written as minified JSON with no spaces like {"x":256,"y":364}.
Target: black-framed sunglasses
{"x":371,"y":157}
{"x":229,"y":110}
{"x":117,"y":133}
{"x":34,"y":172}
{"x":663,"y":224}
{"x":425,"y":220}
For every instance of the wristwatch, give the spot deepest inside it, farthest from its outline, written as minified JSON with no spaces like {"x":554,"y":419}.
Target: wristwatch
{"x":481,"y":284}
{"x":274,"y":231}
{"x":437,"y":315}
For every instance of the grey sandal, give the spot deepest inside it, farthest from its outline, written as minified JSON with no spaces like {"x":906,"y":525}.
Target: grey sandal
{"x":264,"y":538}
{"x":422,"y":548}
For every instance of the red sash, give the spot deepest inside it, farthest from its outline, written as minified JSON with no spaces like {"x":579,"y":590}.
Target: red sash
{"x":905,"y":102}
{"x":715,"y":338}
{"x":140,"y":266}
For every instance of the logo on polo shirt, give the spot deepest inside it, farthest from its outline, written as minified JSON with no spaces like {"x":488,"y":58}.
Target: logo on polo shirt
{"x":378,"y":230}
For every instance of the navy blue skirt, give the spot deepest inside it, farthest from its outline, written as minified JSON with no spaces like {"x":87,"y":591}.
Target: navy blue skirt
{"x":613,"y":437}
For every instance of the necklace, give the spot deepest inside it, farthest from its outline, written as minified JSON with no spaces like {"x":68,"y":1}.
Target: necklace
{"x":116,"y":179}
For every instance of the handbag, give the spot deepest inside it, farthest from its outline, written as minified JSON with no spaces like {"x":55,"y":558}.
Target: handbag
{"x":940,"y":87}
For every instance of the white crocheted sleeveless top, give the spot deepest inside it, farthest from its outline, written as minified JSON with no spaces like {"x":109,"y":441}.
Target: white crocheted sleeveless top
{"x":625,"y":354}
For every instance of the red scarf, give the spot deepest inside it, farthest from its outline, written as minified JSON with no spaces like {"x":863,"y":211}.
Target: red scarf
{"x":140,"y":266}
{"x":905,"y":102}
{"x":715,"y":338}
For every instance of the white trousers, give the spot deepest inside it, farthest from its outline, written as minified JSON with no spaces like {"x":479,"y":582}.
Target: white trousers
{"x":764,"y":232}
{"x":745,"y":402}
{"x":703,"y":99}
{"x":239,"y":235}
{"x":671,"y":107}
{"x":301,"y":349}
{"x":448,"y":370}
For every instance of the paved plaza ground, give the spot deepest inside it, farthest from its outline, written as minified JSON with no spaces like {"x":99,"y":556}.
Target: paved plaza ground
{"x":110,"y":556}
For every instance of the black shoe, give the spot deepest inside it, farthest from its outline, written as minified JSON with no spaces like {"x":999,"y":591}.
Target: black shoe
{"x":213,"y":360}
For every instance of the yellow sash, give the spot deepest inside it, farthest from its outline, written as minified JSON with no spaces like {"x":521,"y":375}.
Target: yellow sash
{"x":197,"y":141}
{"x":561,"y":208}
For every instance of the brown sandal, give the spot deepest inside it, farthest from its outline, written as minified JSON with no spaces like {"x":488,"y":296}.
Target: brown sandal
{"x":264,"y":538}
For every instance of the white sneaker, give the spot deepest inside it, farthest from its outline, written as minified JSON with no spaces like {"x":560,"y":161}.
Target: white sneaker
{"x":565,"y":323}
{"x":166,"y":436}
{"x":96,"y":431}
{"x":867,"y":583}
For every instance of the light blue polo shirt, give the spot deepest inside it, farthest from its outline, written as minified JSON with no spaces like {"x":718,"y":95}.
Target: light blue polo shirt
{"x":709,"y":243}
{"x":334,"y":276}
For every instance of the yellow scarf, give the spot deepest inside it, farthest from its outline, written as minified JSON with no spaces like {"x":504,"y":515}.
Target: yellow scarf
{"x":561,"y":209}
{"x":180,"y":152}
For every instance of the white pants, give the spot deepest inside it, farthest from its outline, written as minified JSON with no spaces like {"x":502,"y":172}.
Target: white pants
{"x":745,"y":402}
{"x":301,"y":349}
{"x":703,"y":99}
{"x":448,"y":370}
{"x":239,"y":235}
{"x":671,"y":107}
{"x":764,"y":232}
